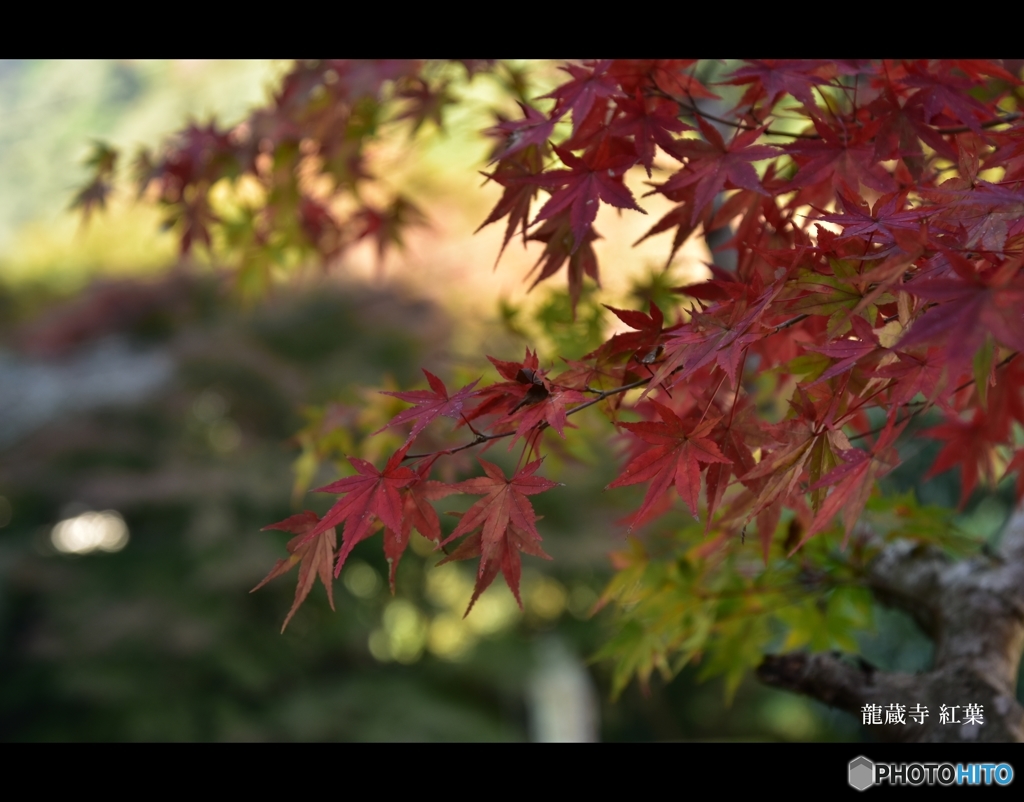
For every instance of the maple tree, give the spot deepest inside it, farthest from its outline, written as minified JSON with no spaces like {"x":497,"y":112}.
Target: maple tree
{"x":867,"y":274}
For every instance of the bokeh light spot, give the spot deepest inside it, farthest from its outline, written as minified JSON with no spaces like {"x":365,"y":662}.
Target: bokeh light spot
{"x":90,"y":531}
{"x":361,"y":580}
{"x":447,"y":586}
{"x":379,"y":645}
{"x":493,"y":612}
{"x":406,"y":629}
{"x":546,"y":598}
{"x":449,"y":637}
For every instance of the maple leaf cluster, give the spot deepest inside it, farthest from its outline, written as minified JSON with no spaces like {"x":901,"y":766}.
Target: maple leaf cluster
{"x":290,"y":181}
{"x":870,"y":270}
{"x":878,"y":262}
{"x":397,"y":498}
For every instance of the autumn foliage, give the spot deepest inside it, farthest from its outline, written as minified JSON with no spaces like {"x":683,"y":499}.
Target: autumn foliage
{"x":871,"y":271}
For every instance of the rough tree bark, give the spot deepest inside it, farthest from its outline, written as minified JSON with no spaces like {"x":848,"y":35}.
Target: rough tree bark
{"x":972,"y":609}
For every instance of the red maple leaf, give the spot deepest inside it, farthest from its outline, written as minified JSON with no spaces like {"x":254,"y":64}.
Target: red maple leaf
{"x":578,"y":95}
{"x":595,"y":176}
{"x":679,"y":449}
{"x":581,"y":375}
{"x":643,"y":341}
{"x":971,"y":445}
{"x":968,"y":307}
{"x":320,"y":227}
{"x":429,"y":404}
{"x":850,"y":349}
{"x":943,"y":91}
{"x":534,"y":129}
{"x":426,"y":102}
{"x":518,"y":176}
{"x":738,"y":436}
{"x":1006,"y":398}
{"x":980,"y":215}
{"x":772,"y":78}
{"x":680,"y":218}
{"x":712,"y":164}
{"x":902,"y":126}
{"x":650,"y":121}
{"x":1009,"y":152}
{"x":1017,"y":464}
{"x":805,"y":443}
{"x":559,"y":245}
{"x":372,"y":495}
{"x":418,"y":513}
{"x":387,"y":226}
{"x":880,"y":222}
{"x":846,"y":154}
{"x":508,"y":524}
{"x":503,"y":556}
{"x":854,"y":481}
{"x":721,"y":334}
{"x":670,"y":76}
{"x":913,"y":374}
{"x":706,"y":339}
{"x":524,"y":385}
{"x":312,"y":551}
{"x":544,"y":403}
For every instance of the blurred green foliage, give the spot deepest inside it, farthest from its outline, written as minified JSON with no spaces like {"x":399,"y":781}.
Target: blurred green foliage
{"x":161,"y":641}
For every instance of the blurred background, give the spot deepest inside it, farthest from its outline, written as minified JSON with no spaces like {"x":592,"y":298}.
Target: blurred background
{"x":151,"y":424}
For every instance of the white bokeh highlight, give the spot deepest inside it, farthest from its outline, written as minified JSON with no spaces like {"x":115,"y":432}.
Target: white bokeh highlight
{"x":90,"y":531}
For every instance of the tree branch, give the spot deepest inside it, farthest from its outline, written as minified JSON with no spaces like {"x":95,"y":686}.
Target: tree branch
{"x":973,"y":610}
{"x":905,"y":576}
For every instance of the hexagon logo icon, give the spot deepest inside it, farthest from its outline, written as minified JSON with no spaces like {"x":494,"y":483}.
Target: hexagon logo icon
{"x":862,"y":773}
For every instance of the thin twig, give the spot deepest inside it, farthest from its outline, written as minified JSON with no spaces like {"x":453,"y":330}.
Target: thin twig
{"x":692,"y":108}
{"x":920,"y":406}
{"x":484,"y":438}
{"x":734,"y":123}
{"x":963,"y":129}
{"x":789,"y":323}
